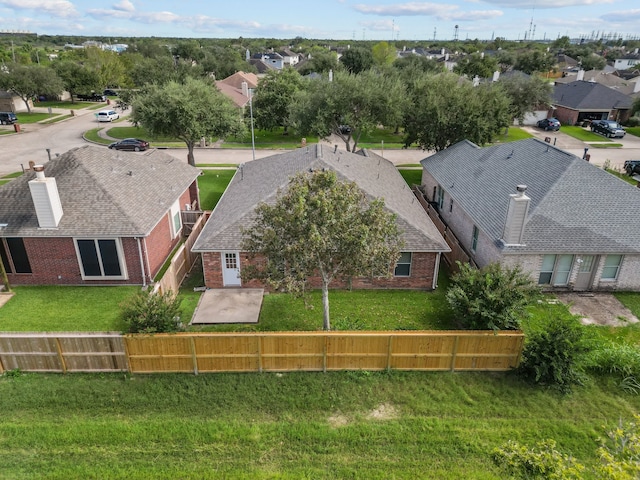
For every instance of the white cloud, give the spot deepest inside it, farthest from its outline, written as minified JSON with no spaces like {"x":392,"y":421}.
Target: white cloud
{"x":125,"y":6}
{"x":439,"y":11}
{"x":57,"y":8}
{"x":380,"y":26}
{"x":543,"y":4}
{"x":622,"y":16}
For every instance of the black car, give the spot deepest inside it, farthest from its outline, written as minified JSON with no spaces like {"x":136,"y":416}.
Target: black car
{"x":133,"y":144}
{"x":92,"y":97}
{"x":552,"y":124}
{"x":608,"y":128}
{"x":110,"y":93}
{"x":632,"y":167}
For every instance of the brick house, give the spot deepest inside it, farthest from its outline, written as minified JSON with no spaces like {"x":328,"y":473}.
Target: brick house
{"x":577,"y":101}
{"x":562,"y":219}
{"x":94,"y":216}
{"x":220,"y":240}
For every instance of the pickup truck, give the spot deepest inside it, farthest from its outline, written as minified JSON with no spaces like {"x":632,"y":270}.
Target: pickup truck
{"x":92,"y":97}
{"x":608,"y":128}
{"x":632,"y":167}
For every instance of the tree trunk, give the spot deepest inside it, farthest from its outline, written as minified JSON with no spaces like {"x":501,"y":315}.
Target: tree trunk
{"x":325,"y":306}
{"x":26,"y":102}
{"x":190,"y":158}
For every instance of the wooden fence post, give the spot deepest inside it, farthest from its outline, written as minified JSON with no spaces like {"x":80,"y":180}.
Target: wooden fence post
{"x":63,"y":364}
{"x":194,"y":356}
{"x":454,"y":353}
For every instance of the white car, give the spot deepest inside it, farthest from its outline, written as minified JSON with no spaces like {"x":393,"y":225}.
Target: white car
{"x":107,"y":116}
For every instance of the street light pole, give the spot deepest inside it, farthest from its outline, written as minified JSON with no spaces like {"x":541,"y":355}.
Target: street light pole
{"x":253,"y":138}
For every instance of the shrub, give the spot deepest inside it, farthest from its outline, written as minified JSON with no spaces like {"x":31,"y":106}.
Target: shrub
{"x":543,"y":461}
{"x":494,"y":297}
{"x":620,"y":360}
{"x":554,"y":355}
{"x":632,"y":122}
{"x":148,"y":312}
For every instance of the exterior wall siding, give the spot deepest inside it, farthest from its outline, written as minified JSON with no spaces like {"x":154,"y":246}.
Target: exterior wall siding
{"x":423,"y":267}
{"x":566,"y":115}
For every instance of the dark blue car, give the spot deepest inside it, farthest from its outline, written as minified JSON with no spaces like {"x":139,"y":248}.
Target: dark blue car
{"x":552,"y":124}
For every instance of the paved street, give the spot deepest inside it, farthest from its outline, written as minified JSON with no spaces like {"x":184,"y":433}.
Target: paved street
{"x":31,"y":144}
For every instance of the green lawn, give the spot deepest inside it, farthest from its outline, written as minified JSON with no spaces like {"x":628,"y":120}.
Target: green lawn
{"x":583,"y":134}
{"x":359,"y":425}
{"x":56,"y":119}
{"x":605,"y":145}
{"x":514,"y":134}
{"x":137,"y":132}
{"x":623,"y":176}
{"x":93,"y":136}
{"x":212,"y":184}
{"x":633,"y":131}
{"x":374,"y":139}
{"x":54,"y":308}
{"x":268,"y":139}
{"x":411,"y":176}
{"x":25,"y":118}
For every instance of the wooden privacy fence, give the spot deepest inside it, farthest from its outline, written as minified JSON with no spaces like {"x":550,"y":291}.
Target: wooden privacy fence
{"x":63,"y":352}
{"x":182,"y":260}
{"x":262,"y":352}
{"x":457,"y":253}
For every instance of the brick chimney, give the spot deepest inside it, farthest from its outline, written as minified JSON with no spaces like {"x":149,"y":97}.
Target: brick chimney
{"x":46,"y":199}
{"x":516,"y":217}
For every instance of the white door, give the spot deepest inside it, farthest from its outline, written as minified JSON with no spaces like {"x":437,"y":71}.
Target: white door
{"x":231,"y":269}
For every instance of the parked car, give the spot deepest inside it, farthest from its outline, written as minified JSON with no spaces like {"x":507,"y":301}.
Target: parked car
{"x":92,"y":97}
{"x":107,"y":115}
{"x":632,"y":167}
{"x":110,"y":93}
{"x":8,"y":118}
{"x":552,"y":124}
{"x":608,"y":128}
{"x":133,"y":144}
{"x":344,"y":129}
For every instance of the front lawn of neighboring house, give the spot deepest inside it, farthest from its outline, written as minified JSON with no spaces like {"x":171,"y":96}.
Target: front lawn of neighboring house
{"x":635,"y":131}
{"x":583,"y":134}
{"x":513,"y":135}
{"x":622,"y":176}
{"x":373,"y":139}
{"x":268,"y":139}
{"x":605,"y":145}
{"x":26,"y":118}
{"x":137,"y":132}
{"x":7,"y":178}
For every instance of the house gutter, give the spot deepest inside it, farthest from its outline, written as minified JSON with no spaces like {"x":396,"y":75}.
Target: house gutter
{"x":144,"y":277}
{"x":436,"y":271}
{"x":146,"y":257}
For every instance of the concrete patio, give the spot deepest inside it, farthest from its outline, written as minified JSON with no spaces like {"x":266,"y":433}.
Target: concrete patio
{"x":229,"y":305}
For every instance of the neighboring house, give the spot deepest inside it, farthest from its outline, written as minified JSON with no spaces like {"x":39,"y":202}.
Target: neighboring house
{"x":580,"y":100}
{"x":272,"y":59}
{"x":237,"y":87}
{"x":629,"y":87}
{"x":627,"y":62}
{"x":258,"y":181}
{"x":12,"y":103}
{"x":94,"y":216}
{"x":290,"y":58}
{"x":562,"y":219}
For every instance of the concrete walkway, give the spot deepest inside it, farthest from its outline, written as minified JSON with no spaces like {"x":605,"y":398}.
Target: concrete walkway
{"x":228,"y":305}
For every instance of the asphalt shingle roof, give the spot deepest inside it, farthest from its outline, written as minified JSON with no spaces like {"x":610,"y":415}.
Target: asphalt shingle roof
{"x":102,"y":192}
{"x":575,"y":206}
{"x":259,"y":181}
{"x":582,"y":95}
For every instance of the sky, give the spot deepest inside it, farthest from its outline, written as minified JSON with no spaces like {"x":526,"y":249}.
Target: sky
{"x":325,"y":19}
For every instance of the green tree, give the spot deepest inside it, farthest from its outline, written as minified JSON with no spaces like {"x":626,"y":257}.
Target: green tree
{"x":273,"y":96}
{"x":29,"y":81}
{"x":77,"y":79}
{"x":525,"y":94}
{"x":416,"y":64}
{"x":477,"y":65}
{"x":356,"y":60}
{"x":635,"y":107}
{"x":148,"y":312}
{"x":534,"y":61}
{"x":493,"y":297}
{"x":445,"y":110}
{"x":324,"y":227}
{"x":320,"y":60}
{"x":107,"y":65}
{"x":593,"y":62}
{"x":188,"y":111}
{"x":384,"y":54}
{"x":361,"y":101}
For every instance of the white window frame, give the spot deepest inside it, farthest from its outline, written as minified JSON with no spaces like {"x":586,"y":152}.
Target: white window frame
{"x":554,"y":272}
{"x":617,"y":268}
{"x":400,"y":262}
{"x":121,"y":261}
{"x":174,"y":214}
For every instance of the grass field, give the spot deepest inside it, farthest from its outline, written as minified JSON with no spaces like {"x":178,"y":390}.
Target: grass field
{"x":514,"y":134}
{"x":583,"y":134}
{"x":633,"y":131}
{"x":93,"y":136}
{"x":358,"y":425}
{"x":411,"y":176}
{"x":212,"y":185}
